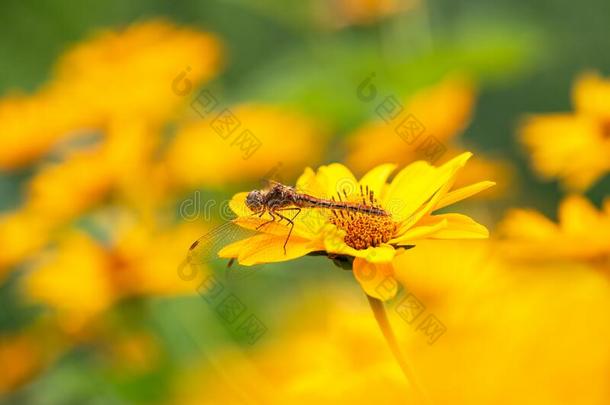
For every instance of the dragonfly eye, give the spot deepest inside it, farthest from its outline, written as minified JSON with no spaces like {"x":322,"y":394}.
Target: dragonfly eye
{"x":254,"y":201}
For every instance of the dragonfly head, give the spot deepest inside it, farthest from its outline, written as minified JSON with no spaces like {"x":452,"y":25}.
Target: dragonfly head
{"x":255,"y":201}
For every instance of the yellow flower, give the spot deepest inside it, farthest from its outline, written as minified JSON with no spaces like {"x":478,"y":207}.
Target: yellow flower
{"x":573,"y":147}
{"x":582,"y":233}
{"x":199,"y":155}
{"x":372,"y":241}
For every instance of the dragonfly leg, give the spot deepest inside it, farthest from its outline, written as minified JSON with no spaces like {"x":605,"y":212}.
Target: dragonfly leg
{"x":290,"y":221}
{"x":268,"y":222}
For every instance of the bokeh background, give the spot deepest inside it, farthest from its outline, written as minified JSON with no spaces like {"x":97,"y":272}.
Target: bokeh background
{"x":109,"y":170}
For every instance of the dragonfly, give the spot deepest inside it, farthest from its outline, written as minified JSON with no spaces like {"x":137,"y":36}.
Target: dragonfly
{"x":278,"y":201}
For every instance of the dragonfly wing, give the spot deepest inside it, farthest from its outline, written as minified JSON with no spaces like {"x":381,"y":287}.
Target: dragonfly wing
{"x":203,"y":253}
{"x":204,"y":250}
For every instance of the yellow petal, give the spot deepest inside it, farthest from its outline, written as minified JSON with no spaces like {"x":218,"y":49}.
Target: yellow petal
{"x":308,"y":183}
{"x":376,"y":178}
{"x":417,"y":183}
{"x":458,"y":227}
{"x":420,"y":231}
{"x":376,"y":279}
{"x":427,"y":208}
{"x":238,"y":205}
{"x":263,"y":248}
{"x":377,"y":254}
{"x":406,"y":191}
{"x":463,"y":193}
{"x":430,"y":206}
{"x":337,"y":179}
{"x":306,"y":223}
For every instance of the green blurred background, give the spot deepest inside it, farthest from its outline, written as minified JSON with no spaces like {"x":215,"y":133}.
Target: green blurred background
{"x":526,"y":52}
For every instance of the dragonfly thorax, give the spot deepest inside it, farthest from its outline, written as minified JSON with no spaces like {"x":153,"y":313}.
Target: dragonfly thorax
{"x":278,"y":196}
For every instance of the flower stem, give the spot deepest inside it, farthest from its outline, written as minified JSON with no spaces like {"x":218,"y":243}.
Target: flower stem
{"x":384,"y":324}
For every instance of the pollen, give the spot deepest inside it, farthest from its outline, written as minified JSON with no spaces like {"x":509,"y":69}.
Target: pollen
{"x":364,"y":229}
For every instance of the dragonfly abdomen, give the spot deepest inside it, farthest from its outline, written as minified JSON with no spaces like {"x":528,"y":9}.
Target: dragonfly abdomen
{"x":305,"y":200}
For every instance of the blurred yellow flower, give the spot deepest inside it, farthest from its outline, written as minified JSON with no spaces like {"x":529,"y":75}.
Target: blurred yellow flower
{"x":442,"y":111}
{"x":21,"y":234}
{"x":432,"y":118}
{"x":372,"y":241}
{"x":131,"y":71}
{"x":133,"y":353}
{"x":61,"y":191}
{"x":148,"y":256}
{"x":351,"y":365}
{"x":268,"y":141}
{"x":582,"y":233}
{"x":20,"y":359}
{"x":82,"y":277}
{"x":32,"y":125}
{"x":537,"y":331}
{"x":128,"y":73}
{"x":364,"y":12}
{"x":426,"y":275}
{"x":573,"y":147}
{"x":73,"y":280}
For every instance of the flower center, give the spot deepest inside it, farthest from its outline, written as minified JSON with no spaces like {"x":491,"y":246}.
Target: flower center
{"x":363,"y":229}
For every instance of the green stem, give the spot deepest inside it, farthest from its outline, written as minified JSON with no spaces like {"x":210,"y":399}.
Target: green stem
{"x":384,"y":324}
